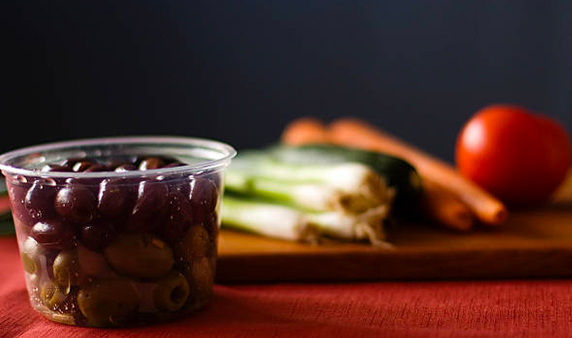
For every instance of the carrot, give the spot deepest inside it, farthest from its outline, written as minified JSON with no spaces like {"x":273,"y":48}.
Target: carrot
{"x":564,"y":193}
{"x":305,"y":130}
{"x":445,"y":208}
{"x":353,"y":132}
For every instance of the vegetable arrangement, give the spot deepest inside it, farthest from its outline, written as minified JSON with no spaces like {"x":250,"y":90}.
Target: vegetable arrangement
{"x":448,"y":198}
{"x":309,"y":192}
{"x":504,"y":153}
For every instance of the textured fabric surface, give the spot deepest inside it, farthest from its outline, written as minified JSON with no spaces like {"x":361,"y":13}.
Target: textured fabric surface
{"x":540,"y":308}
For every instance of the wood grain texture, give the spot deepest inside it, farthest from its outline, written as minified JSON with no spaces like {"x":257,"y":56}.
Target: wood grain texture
{"x":533,"y":243}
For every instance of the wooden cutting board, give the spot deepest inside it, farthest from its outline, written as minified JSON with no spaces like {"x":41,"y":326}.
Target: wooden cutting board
{"x":533,"y":243}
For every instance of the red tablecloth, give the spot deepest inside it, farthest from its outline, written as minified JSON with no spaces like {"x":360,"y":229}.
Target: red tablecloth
{"x":396,"y":309}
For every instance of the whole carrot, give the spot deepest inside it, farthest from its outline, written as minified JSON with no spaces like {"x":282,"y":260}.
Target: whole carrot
{"x":359,"y":134}
{"x":564,"y":193}
{"x":305,"y":130}
{"x":443,"y":207}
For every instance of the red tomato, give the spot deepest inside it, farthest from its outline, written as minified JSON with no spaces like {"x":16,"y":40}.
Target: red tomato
{"x":517,"y":156}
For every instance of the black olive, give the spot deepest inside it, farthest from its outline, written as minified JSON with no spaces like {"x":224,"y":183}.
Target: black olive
{"x":56,"y":168}
{"x":76,"y":203}
{"x":53,"y":234}
{"x":82,"y":165}
{"x":39,"y":201}
{"x":151,"y":163}
{"x":98,"y":233}
{"x":125,"y":167}
{"x":150,"y":209}
{"x":180,"y":216}
{"x":96,"y":168}
{"x":116,"y":197}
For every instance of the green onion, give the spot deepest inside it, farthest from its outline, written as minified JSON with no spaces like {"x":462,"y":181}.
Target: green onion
{"x":351,"y":187}
{"x":305,"y":201}
{"x":288,"y":223}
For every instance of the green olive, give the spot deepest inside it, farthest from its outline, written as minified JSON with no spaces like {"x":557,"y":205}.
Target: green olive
{"x":31,"y":253}
{"x":64,"y":318}
{"x":34,"y":287}
{"x":107,"y":302}
{"x":34,"y":281}
{"x":195,"y":245}
{"x":201,"y":278}
{"x":140,"y":255}
{"x":93,"y":263}
{"x":52,"y":296}
{"x":30,"y":265}
{"x":172,"y":292}
{"x":67,"y":271}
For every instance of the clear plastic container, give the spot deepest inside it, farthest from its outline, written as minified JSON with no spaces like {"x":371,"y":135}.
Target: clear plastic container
{"x":118,"y":231}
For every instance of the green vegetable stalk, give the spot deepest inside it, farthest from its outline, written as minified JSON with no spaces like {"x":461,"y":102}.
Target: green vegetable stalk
{"x":349,"y":187}
{"x":304,"y":201}
{"x":288,"y":223}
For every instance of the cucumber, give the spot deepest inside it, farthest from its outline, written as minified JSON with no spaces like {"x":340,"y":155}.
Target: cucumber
{"x":6,"y":224}
{"x":3,"y":188}
{"x":398,"y":173}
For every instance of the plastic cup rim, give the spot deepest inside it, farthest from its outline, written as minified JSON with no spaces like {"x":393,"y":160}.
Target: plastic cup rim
{"x":227,"y":153}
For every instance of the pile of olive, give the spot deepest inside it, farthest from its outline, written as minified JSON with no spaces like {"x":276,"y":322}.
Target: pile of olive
{"x":117,"y":251}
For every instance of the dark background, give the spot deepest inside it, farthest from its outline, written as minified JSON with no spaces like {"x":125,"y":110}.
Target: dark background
{"x":238,"y":71}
